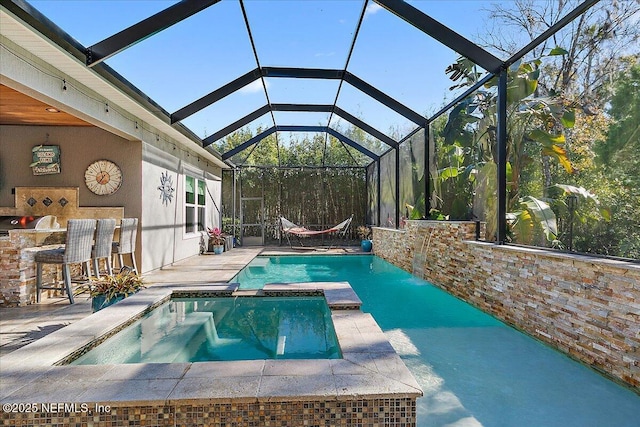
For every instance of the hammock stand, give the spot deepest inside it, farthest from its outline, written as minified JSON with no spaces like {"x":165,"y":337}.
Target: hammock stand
{"x":289,"y":228}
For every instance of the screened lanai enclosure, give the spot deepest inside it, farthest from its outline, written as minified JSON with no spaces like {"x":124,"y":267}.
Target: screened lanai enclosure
{"x":522,"y":116}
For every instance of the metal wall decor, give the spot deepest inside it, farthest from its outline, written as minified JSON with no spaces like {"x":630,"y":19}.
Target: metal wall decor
{"x":166,"y":188}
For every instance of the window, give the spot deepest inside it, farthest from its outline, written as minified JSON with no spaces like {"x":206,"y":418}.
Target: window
{"x":195,"y":201}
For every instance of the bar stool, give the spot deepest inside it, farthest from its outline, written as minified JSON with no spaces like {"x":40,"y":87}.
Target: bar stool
{"x":127,"y":243}
{"x":77,"y":250}
{"x":103,"y":245}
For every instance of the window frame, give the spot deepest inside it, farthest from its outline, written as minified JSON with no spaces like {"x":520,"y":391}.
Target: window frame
{"x":195,"y":200}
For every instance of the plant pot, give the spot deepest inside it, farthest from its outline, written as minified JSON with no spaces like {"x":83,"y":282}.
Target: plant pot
{"x":366,"y":245}
{"x":218,"y":249}
{"x":100,"y":301}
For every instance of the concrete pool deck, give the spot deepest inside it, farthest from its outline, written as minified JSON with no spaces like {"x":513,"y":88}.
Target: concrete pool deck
{"x":370,"y":383}
{"x":20,"y":326}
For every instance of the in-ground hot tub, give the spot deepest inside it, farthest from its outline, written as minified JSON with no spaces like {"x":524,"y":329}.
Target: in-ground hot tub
{"x":223,"y":328}
{"x":368,"y":385}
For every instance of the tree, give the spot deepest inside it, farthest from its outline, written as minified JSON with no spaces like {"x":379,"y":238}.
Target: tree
{"x":536,"y":123}
{"x":581,"y":78}
{"x":294,"y":176}
{"x":614,"y":174}
{"x":595,"y":42}
{"x":620,"y":151}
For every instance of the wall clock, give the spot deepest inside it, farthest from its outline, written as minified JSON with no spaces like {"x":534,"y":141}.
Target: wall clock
{"x":103,"y":177}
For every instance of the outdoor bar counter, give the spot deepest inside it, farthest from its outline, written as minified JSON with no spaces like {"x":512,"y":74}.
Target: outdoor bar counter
{"x":18,"y":246}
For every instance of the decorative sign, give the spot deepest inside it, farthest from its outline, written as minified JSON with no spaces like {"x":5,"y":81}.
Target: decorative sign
{"x":46,"y":159}
{"x":166,"y":188}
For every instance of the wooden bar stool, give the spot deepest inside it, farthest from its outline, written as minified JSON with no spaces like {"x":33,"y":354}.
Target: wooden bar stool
{"x":77,"y":250}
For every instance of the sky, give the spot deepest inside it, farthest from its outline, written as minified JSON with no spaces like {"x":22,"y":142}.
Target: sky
{"x":206,"y":51}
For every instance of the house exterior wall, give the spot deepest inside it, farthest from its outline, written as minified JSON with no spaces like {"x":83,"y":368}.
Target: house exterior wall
{"x":134,"y":138}
{"x":586,"y":307}
{"x":163,"y":231}
{"x":79,"y":146}
{"x":161,"y":235}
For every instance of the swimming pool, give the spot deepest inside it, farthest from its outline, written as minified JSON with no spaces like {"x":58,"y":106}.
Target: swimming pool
{"x":474,"y":370}
{"x":223,"y":328}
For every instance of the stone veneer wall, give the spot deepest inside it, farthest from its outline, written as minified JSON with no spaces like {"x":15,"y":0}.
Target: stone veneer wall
{"x":587,"y":307}
{"x":18,"y":269}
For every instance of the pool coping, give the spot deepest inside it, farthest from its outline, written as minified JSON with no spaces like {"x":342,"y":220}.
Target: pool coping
{"x":370,"y":367}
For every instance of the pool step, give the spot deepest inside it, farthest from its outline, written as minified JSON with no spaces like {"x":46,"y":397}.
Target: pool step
{"x":259,"y":263}
{"x":247,"y":293}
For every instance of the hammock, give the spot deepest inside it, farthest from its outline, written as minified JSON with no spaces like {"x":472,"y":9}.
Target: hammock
{"x":289,"y":228}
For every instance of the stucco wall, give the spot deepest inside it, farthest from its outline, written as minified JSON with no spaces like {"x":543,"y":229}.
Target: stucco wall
{"x":161,"y":238}
{"x":163,"y":231}
{"x":79,"y":146}
{"x":587,"y":307}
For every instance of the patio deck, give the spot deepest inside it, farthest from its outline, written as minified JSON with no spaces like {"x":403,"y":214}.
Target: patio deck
{"x":20,"y":326}
{"x":367,"y":384}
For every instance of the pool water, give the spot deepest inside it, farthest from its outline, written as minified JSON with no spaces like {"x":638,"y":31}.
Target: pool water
{"x":474,"y":370}
{"x":223,"y":328}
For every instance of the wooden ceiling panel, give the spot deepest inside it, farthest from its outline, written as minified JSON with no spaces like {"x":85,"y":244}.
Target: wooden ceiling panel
{"x":17,"y":108}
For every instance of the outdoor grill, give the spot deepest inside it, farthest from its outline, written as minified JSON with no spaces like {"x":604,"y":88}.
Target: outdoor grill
{"x":45,"y":222}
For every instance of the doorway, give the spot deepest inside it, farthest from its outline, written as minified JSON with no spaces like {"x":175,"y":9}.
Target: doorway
{"x":252,"y":221}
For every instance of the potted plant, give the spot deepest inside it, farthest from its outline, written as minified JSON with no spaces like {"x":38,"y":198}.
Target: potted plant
{"x":108,"y":290}
{"x":216,"y":240}
{"x":364,"y":233}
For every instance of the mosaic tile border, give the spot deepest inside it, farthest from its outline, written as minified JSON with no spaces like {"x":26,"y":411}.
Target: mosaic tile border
{"x":365,"y":413}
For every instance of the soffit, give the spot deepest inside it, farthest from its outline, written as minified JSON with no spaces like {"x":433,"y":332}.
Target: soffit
{"x":17,"y":108}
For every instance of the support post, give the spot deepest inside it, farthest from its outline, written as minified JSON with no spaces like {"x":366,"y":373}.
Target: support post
{"x":502,"y":157}
{"x":427,"y":170}
{"x":379,"y":193}
{"x":233,"y":200}
{"x":281,"y":214}
{"x":237,"y":197}
{"x":398,"y":186}
{"x":367,"y":183}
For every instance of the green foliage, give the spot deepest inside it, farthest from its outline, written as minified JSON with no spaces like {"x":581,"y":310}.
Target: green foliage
{"x":614,"y":177}
{"x":306,"y":196}
{"x":522,"y":80}
{"x":619,"y":152}
{"x":277,"y":170}
{"x":111,"y":286}
{"x":559,"y":104}
{"x":620,"y":234}
{"x":292,"y":149}
{"x":539,"y":213}
{"x":363,"y":232}
{"x":536,"y":126}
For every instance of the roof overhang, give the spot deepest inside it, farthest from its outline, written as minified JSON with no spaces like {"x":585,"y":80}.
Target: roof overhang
{"x":66,"y":56}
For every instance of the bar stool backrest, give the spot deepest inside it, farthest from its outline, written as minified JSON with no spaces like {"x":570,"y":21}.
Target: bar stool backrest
{"x":104,"y":238}
{"x":79,"y":240}
{"x":128,"y":234}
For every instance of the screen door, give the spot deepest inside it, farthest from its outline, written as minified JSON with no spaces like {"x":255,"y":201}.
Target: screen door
{"x":252,"y":221}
